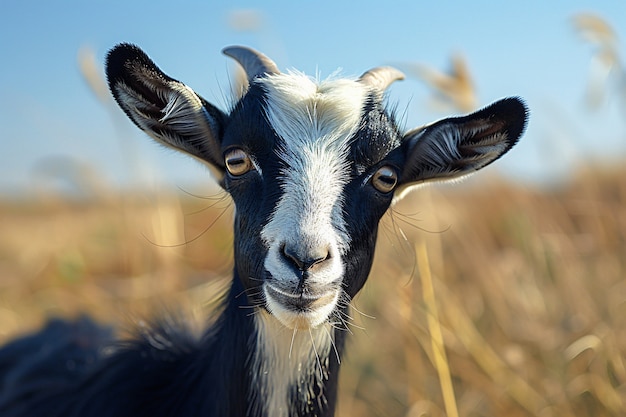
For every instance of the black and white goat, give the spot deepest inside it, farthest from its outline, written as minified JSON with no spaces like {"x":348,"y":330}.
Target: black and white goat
{"x":311,"y":167}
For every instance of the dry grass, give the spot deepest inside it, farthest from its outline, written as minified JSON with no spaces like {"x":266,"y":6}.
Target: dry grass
{"x":524,"y":290}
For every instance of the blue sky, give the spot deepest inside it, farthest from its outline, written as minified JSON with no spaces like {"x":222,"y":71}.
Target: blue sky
{"x":529,"y":49}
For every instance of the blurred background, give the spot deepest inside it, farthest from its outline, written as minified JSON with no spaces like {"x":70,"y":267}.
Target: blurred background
{"x":526,"y":260}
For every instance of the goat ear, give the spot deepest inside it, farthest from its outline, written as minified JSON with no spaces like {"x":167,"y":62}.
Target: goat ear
{"x":458,"y":146}
{"x":164,"y":108}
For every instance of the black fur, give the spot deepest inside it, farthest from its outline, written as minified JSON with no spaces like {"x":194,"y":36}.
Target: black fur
{"x":74,"y":369}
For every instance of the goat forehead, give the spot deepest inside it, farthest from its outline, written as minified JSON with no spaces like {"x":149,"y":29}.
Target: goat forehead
{"x":315,"y":124}
{"x":316,"y":115}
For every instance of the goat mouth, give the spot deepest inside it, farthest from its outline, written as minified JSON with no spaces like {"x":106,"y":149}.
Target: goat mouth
{"x":300,"y":310}
{"x":303,"y":302}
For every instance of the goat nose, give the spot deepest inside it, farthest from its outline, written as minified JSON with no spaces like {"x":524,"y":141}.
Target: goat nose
{"x":305,"y":260}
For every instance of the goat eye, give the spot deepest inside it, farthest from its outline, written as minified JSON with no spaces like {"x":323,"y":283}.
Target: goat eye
{"x":385,"y":179}
{"x":237,"y":162}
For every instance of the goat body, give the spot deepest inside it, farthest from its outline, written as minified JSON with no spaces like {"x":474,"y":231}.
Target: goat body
{"x":311,"y":167}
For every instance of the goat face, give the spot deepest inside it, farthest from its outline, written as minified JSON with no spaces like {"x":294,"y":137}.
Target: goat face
{"x":303,"y":165}
{"x":311,"y":166}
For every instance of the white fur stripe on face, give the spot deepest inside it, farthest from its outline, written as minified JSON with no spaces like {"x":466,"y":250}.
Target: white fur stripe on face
{"x":315,"y":122}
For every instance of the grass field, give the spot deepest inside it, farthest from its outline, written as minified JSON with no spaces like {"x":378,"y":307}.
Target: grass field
{"x":525,"y":289}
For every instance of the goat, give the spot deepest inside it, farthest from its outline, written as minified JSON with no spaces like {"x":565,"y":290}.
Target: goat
{"x":311,"y":166}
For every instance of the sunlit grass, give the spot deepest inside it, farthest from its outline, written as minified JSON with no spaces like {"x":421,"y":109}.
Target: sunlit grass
{"x":528,"y":285}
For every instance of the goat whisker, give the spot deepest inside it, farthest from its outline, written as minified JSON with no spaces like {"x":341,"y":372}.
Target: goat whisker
{"x":332,"y":343}
{"x":178,"y":245}
{"x":317,"y":356}
{"x":293,"y":337}
{"x":362,"y":313}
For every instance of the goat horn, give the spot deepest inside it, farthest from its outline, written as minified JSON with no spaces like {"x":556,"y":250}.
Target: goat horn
{"x":254,"y":63}
{"x":380,"y":78}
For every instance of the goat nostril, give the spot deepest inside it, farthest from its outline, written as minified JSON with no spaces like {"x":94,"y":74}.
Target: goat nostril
{"x":307,"y":261}
{"x":316,"y":261}
{"x":293,"y":257}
